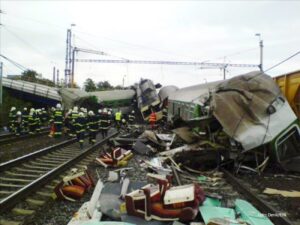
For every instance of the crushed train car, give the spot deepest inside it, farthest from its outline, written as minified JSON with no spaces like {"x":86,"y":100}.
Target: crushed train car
{"x":247,"y":114}
{"x":148,"y":99}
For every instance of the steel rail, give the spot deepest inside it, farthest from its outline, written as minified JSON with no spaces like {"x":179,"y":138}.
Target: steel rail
{"x":14,"y":198}
{"x":262,"y":205}
{"x":6,"y":165}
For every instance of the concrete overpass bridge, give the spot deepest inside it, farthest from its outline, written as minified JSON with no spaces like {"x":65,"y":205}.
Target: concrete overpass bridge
{"x":33,"y":92}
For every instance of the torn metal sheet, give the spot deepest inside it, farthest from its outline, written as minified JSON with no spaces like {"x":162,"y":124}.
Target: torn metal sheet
{"x":128,"y":141}
{"x":140,"y":148}
{"x":186,"y":134}
{"x":152,"y":136}
{"x":156,"y":165}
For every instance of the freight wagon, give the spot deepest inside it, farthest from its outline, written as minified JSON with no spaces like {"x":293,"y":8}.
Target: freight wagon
{"x":289,"y":85}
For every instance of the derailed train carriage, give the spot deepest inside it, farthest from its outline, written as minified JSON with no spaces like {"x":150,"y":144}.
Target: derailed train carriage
{"x":148,"y":99}
{"x":247,"y":115}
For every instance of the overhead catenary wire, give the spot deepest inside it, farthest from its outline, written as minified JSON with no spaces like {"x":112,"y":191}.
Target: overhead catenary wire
{"x":26,"y":43}
{"x":23,"y":68}
{"x":283,"y":61}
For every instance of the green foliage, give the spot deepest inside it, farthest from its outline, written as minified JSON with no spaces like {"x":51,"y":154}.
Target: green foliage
{"x":89,"y":85}
{"x":104,"y":86}
{"x":33,"y":76}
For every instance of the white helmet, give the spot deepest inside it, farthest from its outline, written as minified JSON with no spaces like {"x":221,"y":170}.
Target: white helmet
{"x":19,"y":113}
{"x":123,"y":120}
{"x":81,"y":114}
{"x":43,"y":109}
{"x":52,"y":109}
{"x":70,"y":111}
{"x":91,"y":113}
{"x":25,"y":109}
{"x":82,"y":109}
{"x":13,"y":108}
{"x":109,"y":113}
{"x":75,"y":109}
{"x":32,"y":110}
{"x":100,"y":111}
{"x":105,"y":110}
{"x":133,"y":112}
{"x":58,"y":106}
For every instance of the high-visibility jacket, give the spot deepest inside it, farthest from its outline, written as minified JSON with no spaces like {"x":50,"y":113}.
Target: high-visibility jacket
{"x":152,"y":117}
{"x":80,"y":123}
{"x":118,"y":116}
{"x":74,"y":116}
{"x":58,"y":117}
{"x":92,"y":123}
{"x":105,"y":121}
{"x":131,"y":118}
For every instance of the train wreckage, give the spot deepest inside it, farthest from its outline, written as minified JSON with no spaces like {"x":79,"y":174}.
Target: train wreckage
{"x":244,"y":124}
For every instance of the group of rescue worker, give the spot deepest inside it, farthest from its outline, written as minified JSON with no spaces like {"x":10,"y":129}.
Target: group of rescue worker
{"x":27,"y":121}
{"x":74,"y":123}
{"x":78,"y":121}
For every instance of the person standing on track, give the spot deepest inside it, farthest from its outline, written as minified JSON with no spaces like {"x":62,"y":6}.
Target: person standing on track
{"x":105,"y":123}
{"x":131,"y":117}
{"x":58,"y":121}
{"x":18,"y":123}
{"x":80,"y":124}
{"x":92,"y":124}
{"x":74,"y":116}
{"x":32,"y":121}
{"x":25,"y":116}
{"x":12,"y":118}
{"x":118,"y":118}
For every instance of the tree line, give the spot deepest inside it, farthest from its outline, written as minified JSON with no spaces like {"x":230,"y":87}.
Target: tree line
{"x":90,"y":85}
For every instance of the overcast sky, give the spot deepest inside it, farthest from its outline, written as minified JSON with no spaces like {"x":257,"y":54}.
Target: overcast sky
{"x":34,"y":35}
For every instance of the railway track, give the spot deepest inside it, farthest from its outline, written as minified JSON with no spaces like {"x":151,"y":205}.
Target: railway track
{"x":11,"y":138}
{"x":266,"y":204}
{"x":32,"y":173}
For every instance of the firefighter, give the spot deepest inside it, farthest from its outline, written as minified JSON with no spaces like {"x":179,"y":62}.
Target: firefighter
{"x":44,"y":117}
{"x":124,"y":124}
{"x":100,"y":120}
{"x":51,"y":121}
{"x":105,"y":123}
{"x":92,"y":124}
{"x":118,"y":117}
{"x":58,"y":121}
{"x":12,"y":118}
{"x":74,"y":116}
{"x":152,"y":119}
{"x":25,"y":116}
{"x":80,"y":123}
{"x":18,"y":123}
{"x":131,"y":117}
{"x":32,"y":121}
{"x":67,"y":122}
{"x":38,"y":119}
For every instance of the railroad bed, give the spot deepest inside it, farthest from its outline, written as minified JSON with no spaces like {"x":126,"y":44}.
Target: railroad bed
{"x":27,"y":182}
{"x":11,"y":138}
